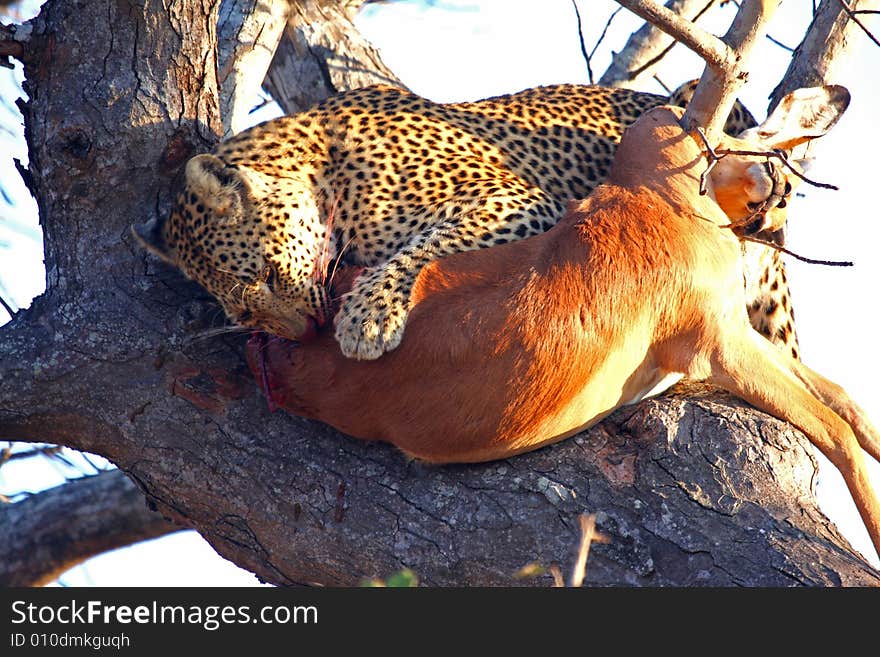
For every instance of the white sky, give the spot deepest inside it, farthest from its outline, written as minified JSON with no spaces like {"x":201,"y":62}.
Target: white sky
{"x":464,"y":50}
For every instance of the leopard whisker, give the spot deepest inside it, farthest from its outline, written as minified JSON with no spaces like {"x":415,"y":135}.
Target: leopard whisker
{"x":338,"y":260}
{"x":320,"y":272}
{"x":221,"y":330}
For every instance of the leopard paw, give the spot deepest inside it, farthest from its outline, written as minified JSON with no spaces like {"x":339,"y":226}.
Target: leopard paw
{"x":371,"y":321}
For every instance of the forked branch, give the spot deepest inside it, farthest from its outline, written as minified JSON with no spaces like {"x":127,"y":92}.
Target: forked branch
{"x":725,"y":58}
{"x":706,"y":45}
{"x":647,"y":46}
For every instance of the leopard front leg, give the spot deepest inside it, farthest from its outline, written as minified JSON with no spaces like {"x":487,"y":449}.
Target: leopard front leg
{"x":373,"y":315}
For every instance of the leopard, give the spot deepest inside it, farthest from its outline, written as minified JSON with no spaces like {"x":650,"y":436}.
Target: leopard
{"x":387,"y":180}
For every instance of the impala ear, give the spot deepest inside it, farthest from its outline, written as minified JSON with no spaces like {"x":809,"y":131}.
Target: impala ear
{"x":802,"y":115}
{"x":149,"y":235}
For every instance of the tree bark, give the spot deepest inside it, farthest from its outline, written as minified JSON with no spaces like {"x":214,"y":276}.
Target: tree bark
{"x":321,"y":54}
{"x":52,"y":531}
{"x":690,"y":491}
{"x":647,"y":46}
{"x":248,"y":35}
{"x":821,"y":53}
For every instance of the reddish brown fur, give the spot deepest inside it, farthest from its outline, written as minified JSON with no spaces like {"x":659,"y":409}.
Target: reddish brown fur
{"x":391,"y":181}
{"x":520,"y":345}
{"x":505,"y":337}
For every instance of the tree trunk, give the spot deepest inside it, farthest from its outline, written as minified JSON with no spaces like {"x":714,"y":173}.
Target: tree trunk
{"x":703,"y":490}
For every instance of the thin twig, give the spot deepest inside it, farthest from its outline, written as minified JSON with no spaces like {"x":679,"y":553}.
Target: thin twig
{"x":662,"y":84}
{"x":8,"y":455}
{"x":7,"y":307}
{"x":714,"y":156}
{"x":86,"y":458}
{"x":589,"y":535}
{"x":811,"y":261}
{"x":581,"y":39}
{"x":779,"y":43}
{"x":644,"y":67}
{"x":780,"y":155}
{"x":852,"y":14}
{"x":605,"y":31}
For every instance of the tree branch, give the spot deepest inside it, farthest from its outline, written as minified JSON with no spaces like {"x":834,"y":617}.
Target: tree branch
{"x":647,"y":46}
{"x":854,"y":16}
{"x":580,"y":29}
{"x":715,"y":95}
{"x":248,"y":35}
{"x":52,"y":531}
{"x":713,"y":51}
{"x":698,"y":491}
{"x":824,"y":49}
{"x":322,"y":53}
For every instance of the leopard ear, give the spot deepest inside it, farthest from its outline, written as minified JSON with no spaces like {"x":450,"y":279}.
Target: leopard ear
{"x":803,"y":115}
{"x":223,"y":190}
{"x":150,"y":236}
{"x":217,"y":187}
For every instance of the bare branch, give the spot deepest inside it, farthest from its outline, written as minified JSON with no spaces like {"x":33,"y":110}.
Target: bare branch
{"x":605,"y":31}
{"x":779,"y":43}
{"x":647,"y":46}
{"x":52,"y":531}
{"x":9,"y":45}
{"x":654,"y":61}
{"x":248,"y":33}
{"x":781,"y":249}
{"x":725,"y":58}
{"x":320,"y":54}
{"x":584,"y":52}
{"x":662,"y":84}
{"x":823,"y":51}
{"x":854,"y":16}
{"x":715,"y":95}
{"x":714,"y":155}
{"x":7,"y":455}
{"x":7,"y":307}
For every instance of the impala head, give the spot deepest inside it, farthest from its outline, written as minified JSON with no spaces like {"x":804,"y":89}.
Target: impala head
{"x":800,"y":117}
{"x":247,"y":245}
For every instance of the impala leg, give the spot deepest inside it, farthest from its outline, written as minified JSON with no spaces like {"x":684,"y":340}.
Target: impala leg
{"x":839,"y":401}
{"x":772,"y":381}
